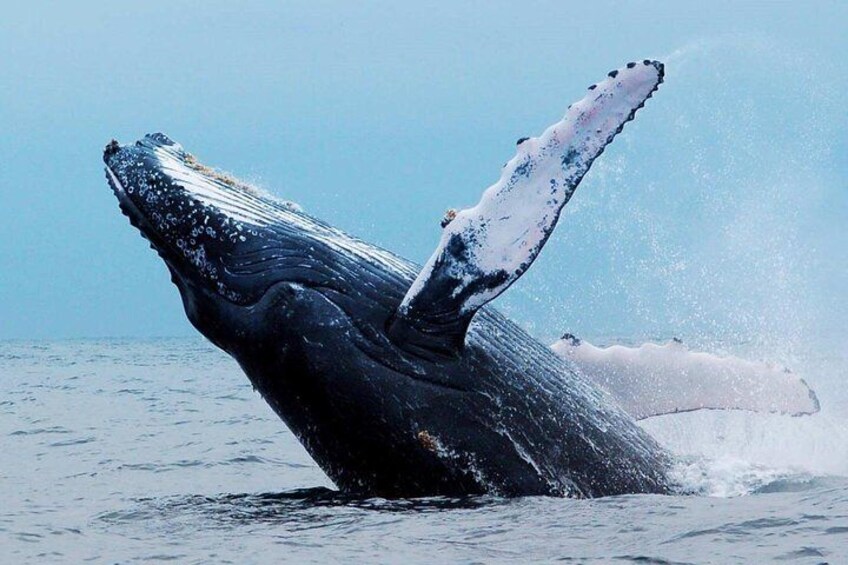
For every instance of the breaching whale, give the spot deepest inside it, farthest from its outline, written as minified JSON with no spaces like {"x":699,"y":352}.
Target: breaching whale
{"x":399,"y":380}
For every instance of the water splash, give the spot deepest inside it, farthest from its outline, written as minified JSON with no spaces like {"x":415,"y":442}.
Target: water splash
{"x":720,"y":218}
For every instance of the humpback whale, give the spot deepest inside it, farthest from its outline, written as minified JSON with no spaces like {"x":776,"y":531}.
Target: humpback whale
{"x":399,"y":380}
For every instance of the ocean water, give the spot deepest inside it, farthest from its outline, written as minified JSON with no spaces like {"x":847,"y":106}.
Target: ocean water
{"x":124,"y":451}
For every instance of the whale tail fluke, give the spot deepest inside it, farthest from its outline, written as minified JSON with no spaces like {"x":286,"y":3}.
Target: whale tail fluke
{"x":484,"y":249}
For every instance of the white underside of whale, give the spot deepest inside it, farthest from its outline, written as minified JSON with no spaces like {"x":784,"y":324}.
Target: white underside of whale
{"x":651,"y":380}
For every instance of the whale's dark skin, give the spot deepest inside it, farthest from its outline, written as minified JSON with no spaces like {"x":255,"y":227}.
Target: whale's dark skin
{"x":397,"y":379}
{"x":304,"y":309}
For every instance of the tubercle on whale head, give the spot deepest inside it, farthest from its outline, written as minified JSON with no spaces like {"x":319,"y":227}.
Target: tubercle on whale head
{"x":214,"y":233}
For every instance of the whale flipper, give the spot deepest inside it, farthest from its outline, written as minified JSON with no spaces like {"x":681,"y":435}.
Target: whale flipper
{"x":652,"y":380}
{"x":484,"y":249}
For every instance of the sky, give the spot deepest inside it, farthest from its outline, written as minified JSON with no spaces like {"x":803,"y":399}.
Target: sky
{"x":721,"y":211}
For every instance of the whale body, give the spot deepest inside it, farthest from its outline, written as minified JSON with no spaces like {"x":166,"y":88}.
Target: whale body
{"x":304,"y":310}
{"x":401,"y":380}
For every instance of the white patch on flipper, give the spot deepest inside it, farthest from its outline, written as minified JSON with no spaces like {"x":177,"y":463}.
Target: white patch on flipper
{"x":504,"y":233}
{"x":652,"y":379}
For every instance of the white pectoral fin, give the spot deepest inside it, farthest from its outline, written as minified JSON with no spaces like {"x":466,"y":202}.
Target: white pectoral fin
{"x":652,"y":380}
{"x":484,"y":249}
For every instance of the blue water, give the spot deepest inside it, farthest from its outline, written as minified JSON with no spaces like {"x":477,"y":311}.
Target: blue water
{"x":125,"y":451}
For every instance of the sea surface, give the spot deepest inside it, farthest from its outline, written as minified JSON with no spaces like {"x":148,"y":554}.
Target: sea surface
{"x":123,"y":451}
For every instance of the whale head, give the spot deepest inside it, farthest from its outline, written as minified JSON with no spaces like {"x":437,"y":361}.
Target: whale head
{"x":227,"y":245}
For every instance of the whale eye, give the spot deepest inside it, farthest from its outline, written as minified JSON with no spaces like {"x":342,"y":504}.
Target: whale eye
{"x":631,"y":65}
{"x":612,"y":74}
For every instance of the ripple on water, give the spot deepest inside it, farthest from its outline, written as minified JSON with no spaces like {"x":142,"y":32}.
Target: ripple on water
{"x":803,"y":553}
{"x":39,"y":431}
{"x":289,"y":507}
